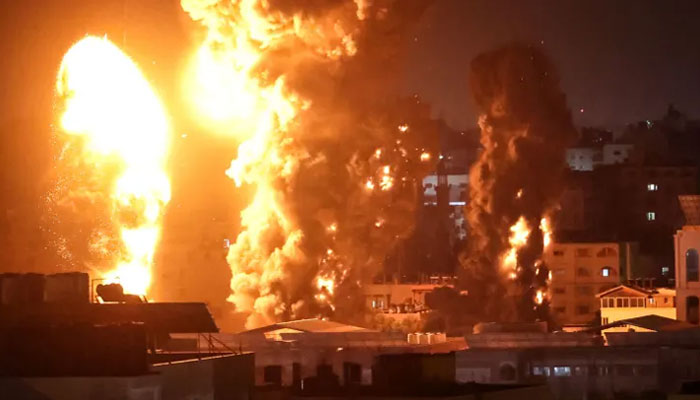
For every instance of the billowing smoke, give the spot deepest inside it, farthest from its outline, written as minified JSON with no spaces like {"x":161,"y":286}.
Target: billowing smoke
{"x":334,"y":163}
{"x":516,"y":182}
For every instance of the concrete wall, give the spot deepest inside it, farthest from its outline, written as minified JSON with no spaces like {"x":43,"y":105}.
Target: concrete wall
{"x":685,"y":239}
{"x":215,"y":378}
{"x":577,"y":277}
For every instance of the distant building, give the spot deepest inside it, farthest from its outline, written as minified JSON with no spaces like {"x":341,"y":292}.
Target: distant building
{"x":626,"y":302}
{"x":579,"y":272}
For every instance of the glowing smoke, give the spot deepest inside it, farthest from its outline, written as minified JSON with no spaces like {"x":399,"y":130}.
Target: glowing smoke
{"x":335,"y":178}
{"x":516,"y":182}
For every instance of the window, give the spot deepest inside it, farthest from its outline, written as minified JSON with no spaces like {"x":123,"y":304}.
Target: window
{"x":664,"y":271}
{"x":584,"y":290}
{"x":583,"y":252}
{"x":559,"y":290}
{"x":607,"y":252}
{"x":604,"y":321}
{"x":559,"y":271}
{"x":537,"y":371}
{"x":691,"y":265}
{"x":618,"y":303}
{"x":582,"y":272}
{"x":352,"y":373}
{"x":692,"y":309}
{"x":580,"y":371}
{"x":625,"y":302}
{"x":559,"y":253}
{"x":507,"y":372}
{"x":582,"y":309}
{"x":560,"y":310}
{"x":624,"y":370}
{"x":272,"y":374}
{"x":562,"y":371}
{"x":651,"y":216}
{"x":652,"y":187}
{"x":606,"y":271}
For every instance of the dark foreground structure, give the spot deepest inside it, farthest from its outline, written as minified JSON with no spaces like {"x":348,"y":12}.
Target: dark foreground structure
{"x":64,"y":347}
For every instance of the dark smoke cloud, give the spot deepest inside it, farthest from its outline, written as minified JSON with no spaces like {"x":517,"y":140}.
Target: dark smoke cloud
{"x":347,"y":137}
{"x":525,"y":128}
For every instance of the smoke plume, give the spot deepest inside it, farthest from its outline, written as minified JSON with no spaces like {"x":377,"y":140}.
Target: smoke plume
{"x":516,"y":182}
{"x":334,"y":164}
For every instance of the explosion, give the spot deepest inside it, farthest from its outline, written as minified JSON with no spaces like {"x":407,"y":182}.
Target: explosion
{"x":280,"y":76}
{"x":516,"y":182}
{"x":115,"y":137}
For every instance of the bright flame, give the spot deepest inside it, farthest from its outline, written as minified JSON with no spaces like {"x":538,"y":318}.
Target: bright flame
{"x":539,"y":297}
{"x":325,"y":284}
{"x":403,"y":128}
{"x":109,"y":104}
{"x":237,"y":93}
{"x":546,"y":232}
{"x":519,"y":233}
{"x":425,"y":156}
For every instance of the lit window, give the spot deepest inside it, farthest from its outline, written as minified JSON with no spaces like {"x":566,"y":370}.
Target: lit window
{"x":664,"y":271}
{"x":652,"y":187}
{"x":537,"y":371}
{"x":562,"y":371}
{"x":651,"y":216}
{"x":606,"y":271}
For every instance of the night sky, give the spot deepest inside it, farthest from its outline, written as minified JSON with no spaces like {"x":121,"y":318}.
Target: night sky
{"x":620,"y":61}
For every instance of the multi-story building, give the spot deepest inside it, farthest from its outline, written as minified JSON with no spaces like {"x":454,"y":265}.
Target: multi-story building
{"x":686,"y":246}
{"x":624,"y":302}
{"x":579,"y":272}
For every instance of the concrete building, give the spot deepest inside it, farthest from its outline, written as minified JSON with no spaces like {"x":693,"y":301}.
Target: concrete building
{"x":625,"y":302}
{"x":289,"y":353}
{"x":577,"y":366}
{"x":579,"y":272}
{"x":686,"y":246}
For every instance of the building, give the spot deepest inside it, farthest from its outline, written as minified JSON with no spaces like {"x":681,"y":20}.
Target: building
{"x":626,"y":302}
{"x":289,"y":353}
{"x":578,"y":366}
{"x":686,"y":246}
{"x":580,"y":271}
{"x":401,"y":297}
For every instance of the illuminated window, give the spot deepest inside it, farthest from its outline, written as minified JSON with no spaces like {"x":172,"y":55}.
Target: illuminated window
{"x":651,"y":216}
{"x":562,"y":371}
{"x":606,"y":271}
{"x":652,"y":187}
{"x":664,"y":271}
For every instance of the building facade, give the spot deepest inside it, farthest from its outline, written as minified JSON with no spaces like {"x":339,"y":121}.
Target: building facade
{"x":625,"y":302}
{"x":579,"y":271}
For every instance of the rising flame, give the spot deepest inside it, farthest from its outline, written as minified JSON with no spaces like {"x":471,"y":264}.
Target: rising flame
{"x":237,"y":96}
{"x":110,"y":107}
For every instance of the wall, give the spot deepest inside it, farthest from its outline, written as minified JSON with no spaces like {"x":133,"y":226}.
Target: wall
{"x":684,"y":239}
{"x":577,"y":278}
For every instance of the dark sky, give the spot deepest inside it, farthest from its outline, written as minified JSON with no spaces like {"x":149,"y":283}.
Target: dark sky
{"x":620,"y":61}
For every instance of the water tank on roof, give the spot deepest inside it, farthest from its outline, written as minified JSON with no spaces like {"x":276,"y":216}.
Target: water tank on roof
{"x":10,"y":289}
{"x":70,"y":287}
{"x":33,"y":288}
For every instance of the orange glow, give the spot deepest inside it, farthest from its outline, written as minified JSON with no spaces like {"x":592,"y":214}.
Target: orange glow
{"x":110,"y":106}
{"x":425,"y":156}
{"x":235,"y":93}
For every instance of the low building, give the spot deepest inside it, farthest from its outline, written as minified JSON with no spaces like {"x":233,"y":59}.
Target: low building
{"x":625,"y":302}
{"x":581,"y":270}
{"x":289,"y":353}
